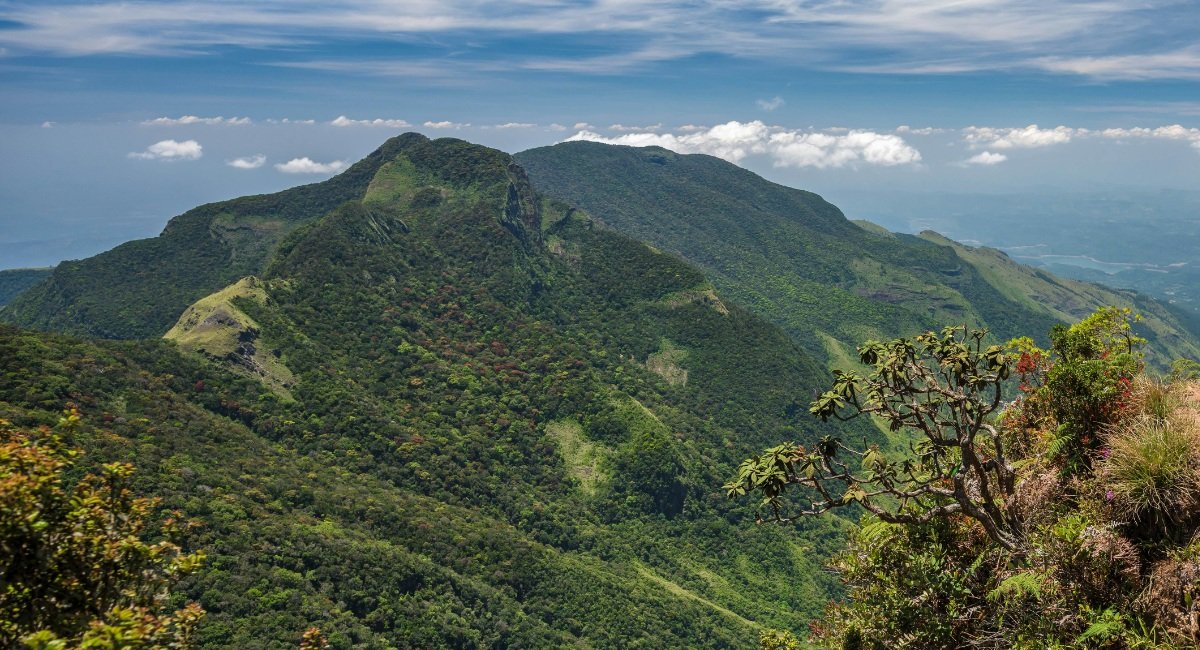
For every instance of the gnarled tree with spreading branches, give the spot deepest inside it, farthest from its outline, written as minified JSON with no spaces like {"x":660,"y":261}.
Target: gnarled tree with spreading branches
{"x":943,"y":387}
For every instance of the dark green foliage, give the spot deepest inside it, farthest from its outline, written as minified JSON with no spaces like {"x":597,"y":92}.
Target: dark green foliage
{"x":412,"y":493}
{"x":15,"y":281}
{"x":789,"y":255}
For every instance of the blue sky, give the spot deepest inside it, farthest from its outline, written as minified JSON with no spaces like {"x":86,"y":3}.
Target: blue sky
{"x":118,"y":115}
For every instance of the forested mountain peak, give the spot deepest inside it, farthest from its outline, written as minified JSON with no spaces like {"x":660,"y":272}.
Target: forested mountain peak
{"x":139,"y":288}
{"x":483,"y":420}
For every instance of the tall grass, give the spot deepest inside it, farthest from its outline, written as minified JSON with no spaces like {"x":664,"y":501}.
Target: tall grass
{"x":1158,"y":400}
{"x":1153,"y":466}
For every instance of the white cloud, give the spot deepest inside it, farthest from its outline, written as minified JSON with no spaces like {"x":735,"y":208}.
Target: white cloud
{"x":342,"y":120}
{"x":47,"y":124}
{"x":796,"y":149}
{"x":622,"y":128}
{"x":583,"y":126}
{"x":307,"y":165}
{"x":734,"y":141}
{"x":557,"y":127}
{"x":986,"y":158}
{"x":770,"y":104}
{"x":1027,"y":137}
{"x":192,"y":119}
{"x":445,"y":125}
{"x":1032,"y":136}
{"x":527,"y":125}
{"x":928,"y":130}
{"x":248,"y":162}
{"x":1171,"y":132}
{"x":170,"y":150}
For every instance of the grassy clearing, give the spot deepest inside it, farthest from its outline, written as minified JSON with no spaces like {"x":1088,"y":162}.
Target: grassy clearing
{"x":681,"y":592}
{"x":665,"y":363}
{"x":585,"y":459}
{"x":215,"y":327}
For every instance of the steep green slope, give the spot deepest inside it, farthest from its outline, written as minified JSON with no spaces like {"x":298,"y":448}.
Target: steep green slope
{"x":488,"y":437}
{"x":787,"y":254}
{"x":139,"y":288}
{"x":15,"y":281}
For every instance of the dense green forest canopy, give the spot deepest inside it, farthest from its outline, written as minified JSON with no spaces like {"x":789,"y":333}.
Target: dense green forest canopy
{"x":451,"y":413}
{"x":13,"y":282}
{"x":420,"y":404}
{"x":793,"y":258}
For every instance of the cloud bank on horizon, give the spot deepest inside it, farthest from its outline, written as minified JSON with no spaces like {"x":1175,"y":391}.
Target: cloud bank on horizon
{"x":734,"y":140}
{"x":160,"y":105}
{"x":842,"y":147}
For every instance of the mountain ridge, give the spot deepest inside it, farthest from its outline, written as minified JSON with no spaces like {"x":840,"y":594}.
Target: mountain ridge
{"x":794,"y":258}
{"x":499,"y":455}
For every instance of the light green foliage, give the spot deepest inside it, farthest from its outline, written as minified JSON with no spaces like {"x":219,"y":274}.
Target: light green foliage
{"x":1153,"y":468}
{"x":942,"y":388}
{"x":587,"y":461}
{"x":666,"y":363}
{"x":777,"y":640}
{"x":75,"y":571}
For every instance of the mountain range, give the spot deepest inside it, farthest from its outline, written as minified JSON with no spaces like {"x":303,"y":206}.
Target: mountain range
{"x":453,"y":397}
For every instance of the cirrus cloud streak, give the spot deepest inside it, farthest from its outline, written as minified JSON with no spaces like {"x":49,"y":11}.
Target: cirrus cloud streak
{"x":1093,"y":38}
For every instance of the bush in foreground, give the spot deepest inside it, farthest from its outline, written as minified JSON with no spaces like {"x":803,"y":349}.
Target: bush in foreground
{"x":1066,"y":518}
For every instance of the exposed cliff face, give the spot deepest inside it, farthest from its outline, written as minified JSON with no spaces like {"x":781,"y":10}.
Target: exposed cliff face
{"x":521,"y":215}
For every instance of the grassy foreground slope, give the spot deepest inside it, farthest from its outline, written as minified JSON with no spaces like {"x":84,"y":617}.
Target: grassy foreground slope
{"x":499,"y":426}
{"x":793,"y":257}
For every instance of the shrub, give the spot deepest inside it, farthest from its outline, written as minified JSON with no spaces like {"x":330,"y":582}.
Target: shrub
{"x":1153,"y":469}
{"x":75,"y":568}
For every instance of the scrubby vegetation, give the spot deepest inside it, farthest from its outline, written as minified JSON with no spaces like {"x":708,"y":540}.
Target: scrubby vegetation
{"x":76,"y":571}
{"x":1070,"y":520}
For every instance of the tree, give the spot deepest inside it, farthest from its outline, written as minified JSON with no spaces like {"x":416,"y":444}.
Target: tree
{"x":75,"y":570}
{"x":1065,"y":518}
{"x":942,"y":387}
